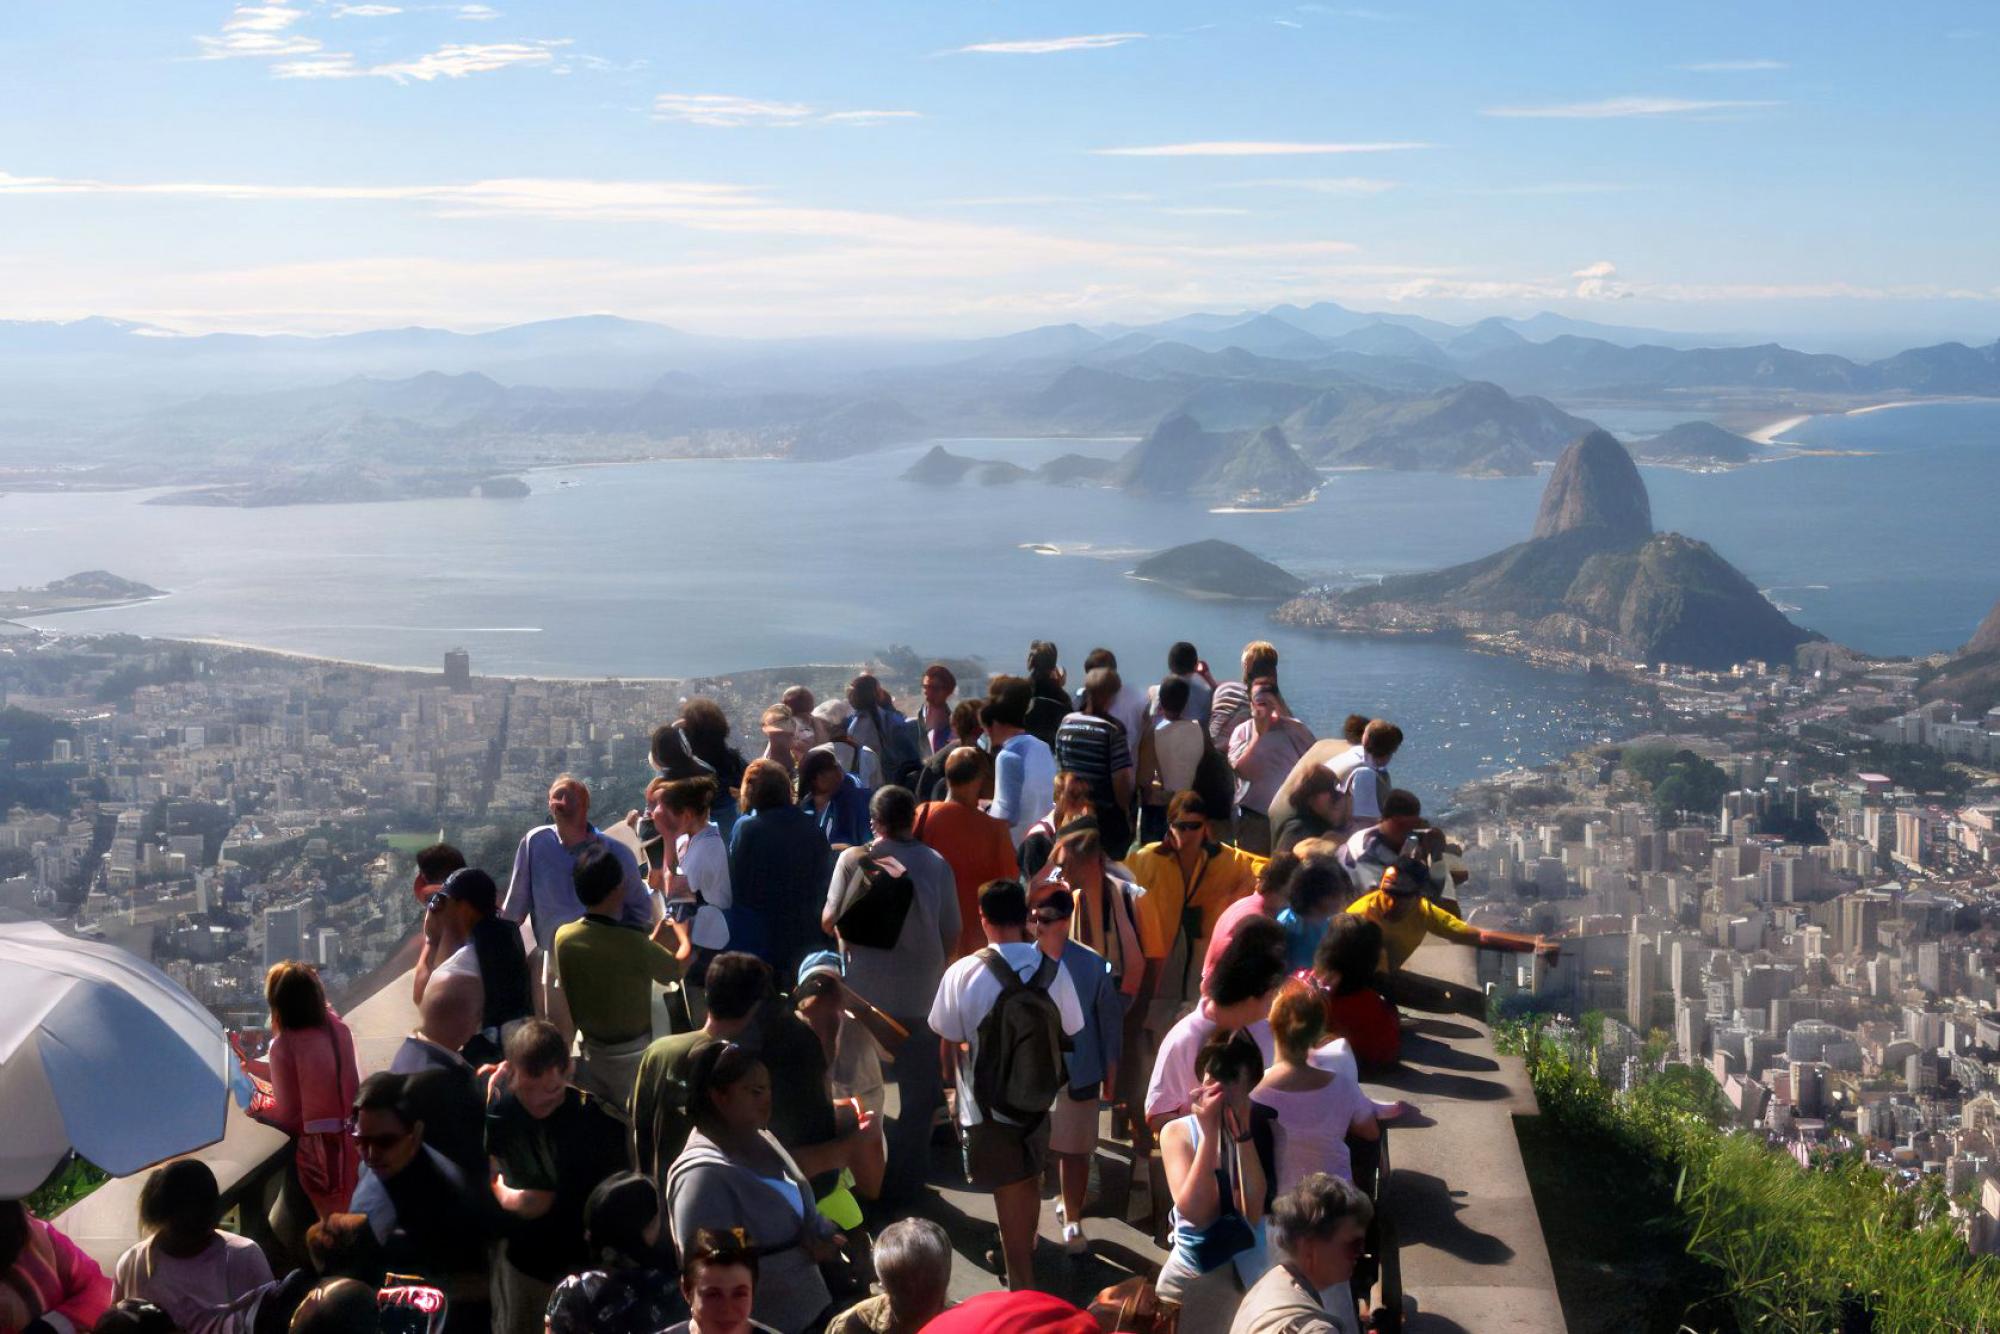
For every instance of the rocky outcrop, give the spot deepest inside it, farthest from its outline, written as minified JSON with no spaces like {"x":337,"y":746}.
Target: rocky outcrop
{"x":1695,"y":443}
{"x":1178,"y":458}
{"x":1596,"y":486}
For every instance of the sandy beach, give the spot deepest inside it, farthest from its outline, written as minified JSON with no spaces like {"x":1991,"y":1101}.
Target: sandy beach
{"x":1765,"y":435}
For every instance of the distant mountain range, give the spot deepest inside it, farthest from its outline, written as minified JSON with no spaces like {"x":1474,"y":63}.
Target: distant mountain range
{"x":1594,"y":577}
{"x":133,"y":405}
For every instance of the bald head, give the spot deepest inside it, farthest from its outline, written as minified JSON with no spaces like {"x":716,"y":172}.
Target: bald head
{"x":453,"y":1009}
{"x":965,"y":770}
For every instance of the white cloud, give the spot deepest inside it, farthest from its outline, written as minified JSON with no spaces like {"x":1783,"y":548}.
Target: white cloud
{"x":365,"y":11}
{"x":1288,"y":23}
{"x":454,"y":61}
{"x":726,"y":111}
{"x":478,"y":13}
{"x":258,"y":32}
{"x":1319,"y":185}
{"x":1597,"y":282}
{"x":1251,"y":148}
{"x":1615,"y":108}
{"x":1043,"y":46}
{"x":1734,"y":66}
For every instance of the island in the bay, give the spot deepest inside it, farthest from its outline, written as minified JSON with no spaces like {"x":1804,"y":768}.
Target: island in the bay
{"x":1213,"y":568}
{"x":1594,"y":578}
{"x":76,"y":592}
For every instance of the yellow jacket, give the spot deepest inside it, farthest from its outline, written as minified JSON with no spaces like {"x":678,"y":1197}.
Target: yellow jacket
{"x":1401,"y":938}
{"x":1220,"y":878}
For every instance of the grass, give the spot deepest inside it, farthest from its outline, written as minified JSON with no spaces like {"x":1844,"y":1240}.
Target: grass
{"x":406,"y":844}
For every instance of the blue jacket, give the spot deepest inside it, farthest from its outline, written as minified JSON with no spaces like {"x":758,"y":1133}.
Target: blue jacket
{"x":845,"y":819}
{"x":780,"y":867}
{"x":1101,"y":1040}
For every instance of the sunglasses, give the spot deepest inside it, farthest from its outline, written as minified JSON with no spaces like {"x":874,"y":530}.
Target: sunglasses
{"x":379,"y":1141}
{"x":1189,"y":826}
{"x":1049,"y":918}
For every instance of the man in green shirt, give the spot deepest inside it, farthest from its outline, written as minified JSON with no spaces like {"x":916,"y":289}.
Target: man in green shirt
{"x":606,"y":969}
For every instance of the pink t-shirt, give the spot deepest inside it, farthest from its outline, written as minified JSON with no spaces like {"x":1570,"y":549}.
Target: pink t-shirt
{"x":1233,"y":916}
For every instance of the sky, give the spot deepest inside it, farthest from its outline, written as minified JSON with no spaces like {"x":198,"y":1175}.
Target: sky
{"x":968,"y":167}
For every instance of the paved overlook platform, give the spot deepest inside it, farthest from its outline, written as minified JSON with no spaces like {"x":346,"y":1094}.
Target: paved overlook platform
{"x":1472,"y":1252}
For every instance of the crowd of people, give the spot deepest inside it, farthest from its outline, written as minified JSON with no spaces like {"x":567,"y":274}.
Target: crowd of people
{"x":650,"y":1084}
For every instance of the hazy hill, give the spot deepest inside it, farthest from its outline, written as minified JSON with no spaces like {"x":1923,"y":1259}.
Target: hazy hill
{"x":939,"y":467}
{"x":1596,"y":486}
{"x":1473,"y":428}
{"x":1971,"y":678}
{"x":1219,"y":569}
{"x":1179,"y":458}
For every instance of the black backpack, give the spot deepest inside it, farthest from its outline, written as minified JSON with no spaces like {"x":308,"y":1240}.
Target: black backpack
{"x":1019,"y":1069}
{"x":874,"y":916}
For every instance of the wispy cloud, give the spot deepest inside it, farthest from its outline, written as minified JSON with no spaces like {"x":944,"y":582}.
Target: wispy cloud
{"x":258,"y":31}
{"x":478,"y":13}
{"x":1318,"y":185}
{"x":454,"y":61}
{"x":1252,"y":148}
{"x":1598,"y":282}
{"x":1288,"y":23}
{"x":1616,"y":108}
{"x":365,"y":11}
{"x":1734,"y":66}
{"x":726,"y":111}
{"x":1044,"y":46}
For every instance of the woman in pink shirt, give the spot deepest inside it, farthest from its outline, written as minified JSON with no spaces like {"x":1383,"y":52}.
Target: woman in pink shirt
{"x":313,"y":1084}
{"x":45,"y":1277}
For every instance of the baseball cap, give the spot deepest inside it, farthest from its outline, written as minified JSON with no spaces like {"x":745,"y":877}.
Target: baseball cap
{"x":824,"y":961}
{"x":470,"y":885}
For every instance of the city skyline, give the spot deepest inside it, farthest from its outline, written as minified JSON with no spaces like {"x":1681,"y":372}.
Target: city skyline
{"x":322,"y":167}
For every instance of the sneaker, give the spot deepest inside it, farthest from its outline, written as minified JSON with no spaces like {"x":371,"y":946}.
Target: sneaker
{"x":1074,"y":1242}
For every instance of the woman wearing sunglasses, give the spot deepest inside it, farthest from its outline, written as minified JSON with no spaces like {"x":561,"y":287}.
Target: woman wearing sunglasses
{"x":1318,"y":1231}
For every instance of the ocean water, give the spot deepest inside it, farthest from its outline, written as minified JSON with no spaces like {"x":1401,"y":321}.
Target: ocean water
{"x":706,"y":566}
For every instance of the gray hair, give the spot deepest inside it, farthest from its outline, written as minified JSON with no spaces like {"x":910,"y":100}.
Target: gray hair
{"x":895,"y":809}
{"x":1315,"y":1208}
{"x":913,"y":1261}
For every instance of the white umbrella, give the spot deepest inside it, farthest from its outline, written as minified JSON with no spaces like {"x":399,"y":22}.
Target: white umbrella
{"x":101,"y":1053}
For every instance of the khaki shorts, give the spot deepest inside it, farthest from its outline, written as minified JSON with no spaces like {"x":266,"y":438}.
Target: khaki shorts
{"x":1073,"y":1125}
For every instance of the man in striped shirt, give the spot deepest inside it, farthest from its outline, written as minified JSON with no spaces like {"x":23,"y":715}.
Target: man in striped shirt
{"x":1092,"y":743}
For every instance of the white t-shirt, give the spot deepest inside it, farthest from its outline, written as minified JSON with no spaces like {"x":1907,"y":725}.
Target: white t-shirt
{"x":864,"y":764}
{"x":704,"y":860}
{"x":1130,"y":709}
{"x":1177,"y":749}
{"x":1173,"y":1068}
{"x":464,"y":962}
{"x":965,"y":997}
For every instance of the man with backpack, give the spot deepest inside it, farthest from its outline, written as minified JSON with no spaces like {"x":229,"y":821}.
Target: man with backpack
{"x":894,"y":907}
{"x":1010,"y":1010}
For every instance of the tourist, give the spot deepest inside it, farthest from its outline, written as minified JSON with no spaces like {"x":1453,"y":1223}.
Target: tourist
{"x":1235,"y":997}
{"x":862,"y":763}
{"x":314,"y":1078}
{"x":1317,"y":1109}
{"x":628,"y":1289}
{"x":1092,"y":1059}
{"x":913,"y":1264}
{"x":1107,"y":916}
{"x":1230,"y":704}
{"x":734,"y":1174}
{"x":1406,"y":915}
{"x":1049,"y":703}
{"x":1219,"y":1158}
{"x":1317,"y":1232}
{"x":1314,"y":895}
{"x":1170,"y":752}
{"x":442,"y":1087}
{"x":1189,"y":880}
{"x":781,"y":738}
{"x":188,"y":1267}
{"x":435,"y":865}
{"x":779,"y":864}
{"x":876,"y":725}
{"x":1363,"y":772}
{"x":965,"y":730}
{"x":133,"y":1316}
{"x":46,"y":1280}
{"x":855,"y":1036}
{"x":1071,"y":804}
{"x":693,"y":878}
{"x":831,"y":797}
{"x":1006,"y":1145}
{"x":463,"y":918}
{"x":608,"y":968}
{"x":1262,"y":751}
{"x":719,"y":1283}
{"x":542,"y":890}
{"x":976,"y":846}
{"x":1128,"y":705}
{"x":1343,"y":971}
{"x":801,"y":703}
{"x":1025,"y":767}
{"x":420,"y":1208}
{"x":1272,"y":896}
{"x":1306,"y":806}
{"x":934,"y":729}
{"x":1092,"y":742}
{"x":550,"y":1144}
{"x":738,"y":984}
{"x":1370,"y":851}
{"x":705,"y":752}
{"x":1184,"y":664}
{"x":900,"y":975}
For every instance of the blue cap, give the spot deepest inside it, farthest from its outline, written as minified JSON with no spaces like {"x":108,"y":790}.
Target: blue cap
{"x":825,"y":961}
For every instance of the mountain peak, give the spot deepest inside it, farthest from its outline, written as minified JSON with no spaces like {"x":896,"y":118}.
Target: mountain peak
{"x":1986,"y":639}
{"x":1596,"y":485}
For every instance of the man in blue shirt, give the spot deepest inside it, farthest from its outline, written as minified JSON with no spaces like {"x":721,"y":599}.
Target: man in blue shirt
{"x":1095,"y":1049}
{"x":1024,"y":768}
{"x":542,"y":891}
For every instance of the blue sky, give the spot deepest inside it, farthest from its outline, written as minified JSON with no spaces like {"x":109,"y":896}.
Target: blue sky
{"x":759,"y":168}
